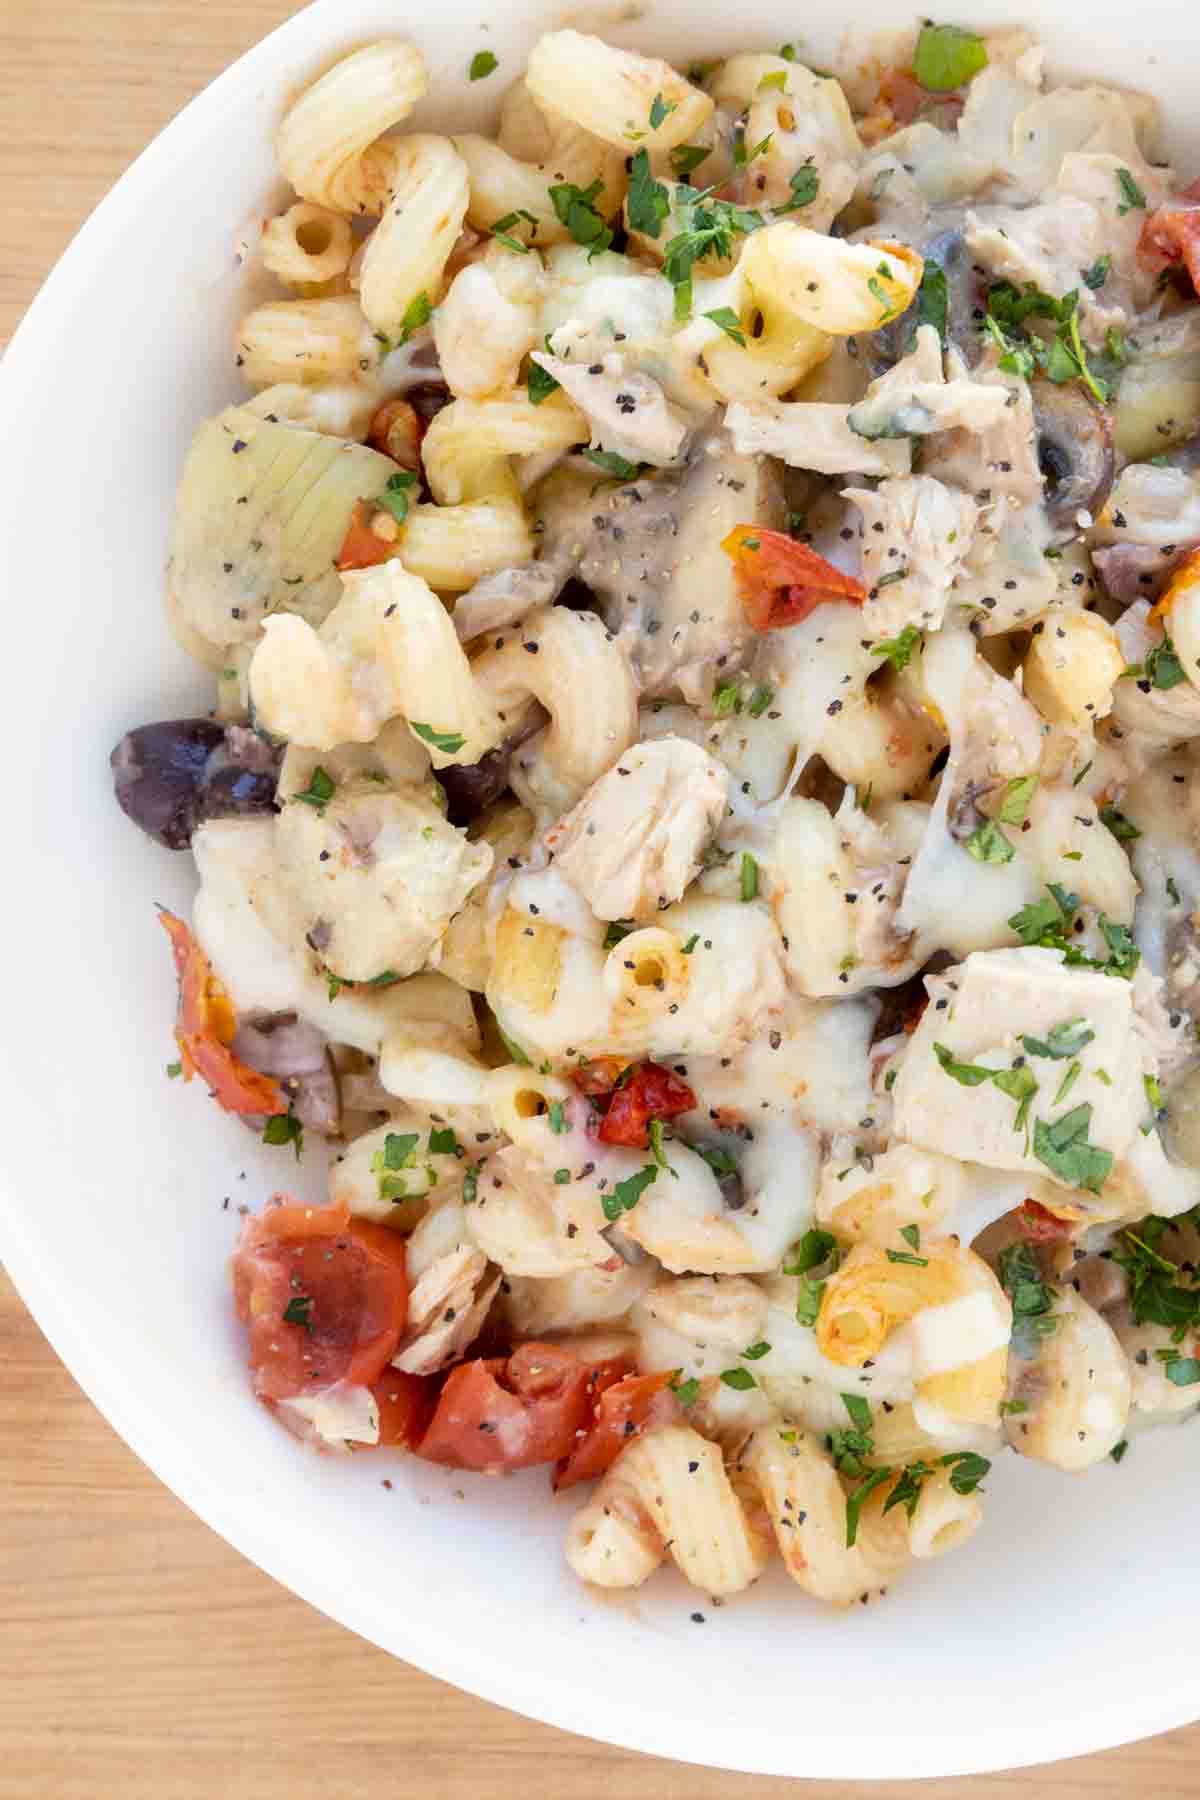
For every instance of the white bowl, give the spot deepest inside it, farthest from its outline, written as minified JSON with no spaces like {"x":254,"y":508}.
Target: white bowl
{"x":1066,"y":1626}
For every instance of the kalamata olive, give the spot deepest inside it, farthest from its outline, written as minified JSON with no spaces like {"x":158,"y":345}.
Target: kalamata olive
{"x":470,"y":788}
{"x":1075,"y":452}
{"x":428,"y":399}
{"x":171,"y":776}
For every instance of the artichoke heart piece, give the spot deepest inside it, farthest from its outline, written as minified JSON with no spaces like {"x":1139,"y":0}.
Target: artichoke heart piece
{"x":260,"y":516}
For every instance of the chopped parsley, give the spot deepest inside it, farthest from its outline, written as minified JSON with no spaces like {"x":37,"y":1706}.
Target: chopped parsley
{"x":399,"y":1153}
{"x":729,"y":323}
{"x":850,"y":1445}
{"x":502,"y":228}
{"x":933,"y":301}
{"x":1063,"y":1041}
{"x":1097,"y":275}
{"x":285,"y":1128}
{"x":1061,"y":358}
{"x":1032,"y":1300}
{"x":395,"y":496}
{"x":711,"y":226}
{"x":174,"y":1070}
{"x":514,"y":1049}
{"x":627,"y":1193}
{"x":443,"y":1142}
{"x":988,"y":844}
{"x":1132,"y":197}
{"x":967,"y":1470}
{"x":1019,"y":1083}
{"x":1017,"y":796}
{"x":816,"y":1249}
{"x":648,"y":202}
{"x":1068,"y":1082}
{"x":686,"y":157}
{"x":743,"y":157}
{"x":911,"y":1235}
{"x":1118,"y":1450}
{"x":759,"y":701}
{"x":617,"y":466}
{"x":899,"y":651}
{"x":756,"y":1352}
{"x":804,"y":186}
{"x":718,"y":1160}
{"x":1162,"y":667}
{"x":448,"y":742}
{"x":1045,"y":924}
{"x":661,"y":109}
{"x":540,"y":384}
{"x":686,"y":1392}
{"x":1156,"y":1297}
{"x":482,"y":64}
{"x":654,"y":1132}
{"x":417,"y":313}
{"x":618,"y":930}
{"x":575,"y":208}
{"x":855,"y":1501}
{"x":1119,"y":825}
{"x":906,"y":1256}
{"x":738,"y":1379}
{"x":726,"y":699}
{"x":1064,"y":1148}
{"x":298,"y":1311}
{"x":749,"y":876}
{"x":947,"y":57}
{"x":686,"y":949}
{"x":557,"y":1118}
{"x":320,"y":790}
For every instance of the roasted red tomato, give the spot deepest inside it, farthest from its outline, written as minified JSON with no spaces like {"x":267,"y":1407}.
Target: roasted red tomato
{"x":362,"y":547}
{"x":406,"y":1405}
{"x":1172,"y":234}
{"x":325,"y":1298}
{"x":205,"y":1029}
{"x":599,"y":1075}
{"x":1040,"y":1226}
{"x":780,"y":581}
{"x":500,"y":1413}
{"x":651,"y":1092}
{"x":622,"y":1411}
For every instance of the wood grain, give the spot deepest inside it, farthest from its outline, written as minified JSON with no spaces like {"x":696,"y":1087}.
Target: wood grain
{"x":141,"y":1657}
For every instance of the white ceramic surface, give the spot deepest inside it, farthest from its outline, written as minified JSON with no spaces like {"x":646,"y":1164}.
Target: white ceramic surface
{"x":1067,"y":1625}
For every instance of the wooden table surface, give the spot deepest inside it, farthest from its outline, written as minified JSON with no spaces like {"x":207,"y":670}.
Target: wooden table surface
{"x":141,"y":1657}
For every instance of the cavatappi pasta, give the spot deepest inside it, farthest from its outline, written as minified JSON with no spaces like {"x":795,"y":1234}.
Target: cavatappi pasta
{"x":700,"y":808}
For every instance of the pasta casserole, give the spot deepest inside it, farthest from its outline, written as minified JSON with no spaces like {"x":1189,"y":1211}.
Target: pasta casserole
{"x":702,"y":587}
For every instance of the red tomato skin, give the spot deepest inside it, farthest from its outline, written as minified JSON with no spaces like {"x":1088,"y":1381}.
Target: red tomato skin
{"x":205,"y":1027}
{"x":1171,"y":234}
{"x":498,"y":1414}
{"x":599,"y":1075}
{"x":352,"y":1272}
{"x":623,"y":1411}
{"x":780,"y":581}
{"x":361,"y":547}
{"x":651,"y":1092}
{"x":406,"y":1406}
{"x":1040,"y":1226}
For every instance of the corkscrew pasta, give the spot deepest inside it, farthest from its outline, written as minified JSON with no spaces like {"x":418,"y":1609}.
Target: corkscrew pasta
{"x":698,"y":813}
